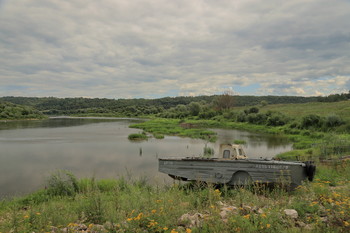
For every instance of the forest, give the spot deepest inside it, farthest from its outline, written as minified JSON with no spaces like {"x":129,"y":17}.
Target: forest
{"x":164,"y":107}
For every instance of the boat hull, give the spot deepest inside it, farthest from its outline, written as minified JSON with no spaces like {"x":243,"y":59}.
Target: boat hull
{"x":235,"y":172}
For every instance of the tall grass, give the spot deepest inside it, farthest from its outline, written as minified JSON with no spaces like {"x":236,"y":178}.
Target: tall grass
{"x":127,"y":205}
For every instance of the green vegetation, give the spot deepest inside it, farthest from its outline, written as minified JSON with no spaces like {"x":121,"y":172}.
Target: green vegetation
{"x":9,"y":111}
{"x":204,"y":106}
{"x":161,"y":127}
{"x":239,"y":142}
{"x":127,"y":205}
{"x":319,"y":131}
{"x":137,"y":136}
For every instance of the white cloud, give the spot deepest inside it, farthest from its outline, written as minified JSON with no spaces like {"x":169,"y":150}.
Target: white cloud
{"x":127,"y":49}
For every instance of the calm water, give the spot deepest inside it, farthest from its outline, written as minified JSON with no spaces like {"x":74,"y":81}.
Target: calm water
{"x":31,"y":150}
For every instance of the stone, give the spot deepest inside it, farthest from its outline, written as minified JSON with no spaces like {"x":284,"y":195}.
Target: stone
{"x":300,"y":224}
{"x":190,"y":221}
{"x":292,"y":213}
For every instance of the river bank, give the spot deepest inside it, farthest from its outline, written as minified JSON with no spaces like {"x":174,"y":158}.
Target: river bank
{"x":129,"y":205}
{"x":69,"y":204}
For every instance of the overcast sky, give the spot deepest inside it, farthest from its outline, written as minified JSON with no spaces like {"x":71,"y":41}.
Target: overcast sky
{"x":157,"y":48}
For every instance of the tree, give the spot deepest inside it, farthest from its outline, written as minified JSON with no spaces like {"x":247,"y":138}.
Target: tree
{"x":224,"y":101}
{"x":194,"y":108}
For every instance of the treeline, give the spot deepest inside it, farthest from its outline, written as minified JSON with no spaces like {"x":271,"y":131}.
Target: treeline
{"x":166,"y":107}
{"x":9,"y":111}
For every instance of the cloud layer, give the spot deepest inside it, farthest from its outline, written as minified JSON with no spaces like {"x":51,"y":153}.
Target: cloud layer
{"x":156,"y":48}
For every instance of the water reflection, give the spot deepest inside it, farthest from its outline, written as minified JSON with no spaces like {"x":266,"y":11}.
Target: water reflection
{"x":257,"y":145}
{"x":32,"y":150}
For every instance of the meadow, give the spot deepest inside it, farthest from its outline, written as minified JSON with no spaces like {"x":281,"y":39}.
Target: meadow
{"x":129,"y":205}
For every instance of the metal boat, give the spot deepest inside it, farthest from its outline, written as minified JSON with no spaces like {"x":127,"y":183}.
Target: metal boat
{"x":232,"y":167}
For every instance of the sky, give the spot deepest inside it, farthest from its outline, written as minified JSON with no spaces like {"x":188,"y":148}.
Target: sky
{"x":157,"y":48}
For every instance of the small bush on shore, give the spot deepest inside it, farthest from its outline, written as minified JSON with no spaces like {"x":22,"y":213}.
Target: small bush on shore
{"x":137,"y":137}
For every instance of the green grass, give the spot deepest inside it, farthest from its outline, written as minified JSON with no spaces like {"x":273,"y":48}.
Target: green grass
{"x":123,"y":205}
{"x":297,"y":111}
{"x":160,"y":127}
{"x":137,"y":137}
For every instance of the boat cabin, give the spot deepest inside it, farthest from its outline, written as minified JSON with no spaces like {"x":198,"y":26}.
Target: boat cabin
{"x":231,"y":151}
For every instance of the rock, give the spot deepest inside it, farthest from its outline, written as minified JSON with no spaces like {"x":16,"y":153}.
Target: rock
{"x":220,"y":203}
{"x":98,"y":228}
{"x":82,"y":227}
{"x":308,"y":227}
{"x":190,"y":221}
{"x":260,"y":211}
{"x":300,"y":224}
{"x":108,"y":225}
{"x":54,"y":229}
{"x":226,"y":211}
{"x":324,"y":219}
{"x":292,"y":213}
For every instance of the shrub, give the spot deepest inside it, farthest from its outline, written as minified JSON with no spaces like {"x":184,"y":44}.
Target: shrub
{"x":252,"y":110}
{"x":333,"y":121}
{"x":241,"y":117}
{"x":208,"y":151}
{"x":311,"y":120}
{"x":259,"y":118}
{"x":207,"y":114}
{"x":277,"y":119}
{"x":137,"y":136}
{"x":62,"y":183}
{"x":239,"y":142}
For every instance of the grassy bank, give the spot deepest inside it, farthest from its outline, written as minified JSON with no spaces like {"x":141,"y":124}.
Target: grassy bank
{"x":160,"y":127}
{"x":122,"y":205}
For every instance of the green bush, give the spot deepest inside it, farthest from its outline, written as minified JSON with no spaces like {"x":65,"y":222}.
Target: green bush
{"x":137,"y":136}
{"x":333,"y":121}
{"x":277,"y":119}
{"x":62,"y":183}
{"x":241,"y":117}
{"x":311,"y":121}
{"x":257,"y":118}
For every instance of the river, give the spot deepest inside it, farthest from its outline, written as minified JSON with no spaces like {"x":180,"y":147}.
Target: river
{"x":99,"y":147}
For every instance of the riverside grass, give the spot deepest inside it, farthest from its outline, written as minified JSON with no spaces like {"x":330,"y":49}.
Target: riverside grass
{"x":132,"y":205}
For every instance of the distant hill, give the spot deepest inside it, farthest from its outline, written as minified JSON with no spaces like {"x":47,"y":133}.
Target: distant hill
{"x":57,"y":106}
{"x":10,"y":111}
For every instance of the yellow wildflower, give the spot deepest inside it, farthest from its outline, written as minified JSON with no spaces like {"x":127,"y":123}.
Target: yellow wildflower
{"x":346,"y":224}
{"x":158,"y":201}
{"x":263,"y":215}
{"x":152,"y":223}
{"x":188,"y":230}
{"x":154,"y":211}
{"x":38,"y":213}
{"x":129,"y":219}
{"x":173,"y":231}
{"x":165,"y":228}
{"x":246,"y":216}
{"x":268,"y":225}
{"x":139,"y":216}
{"x":91,"y":225}
{"x":26,"y":216}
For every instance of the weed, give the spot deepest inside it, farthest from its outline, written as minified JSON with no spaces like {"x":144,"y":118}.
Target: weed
{"x":62,"y":183}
